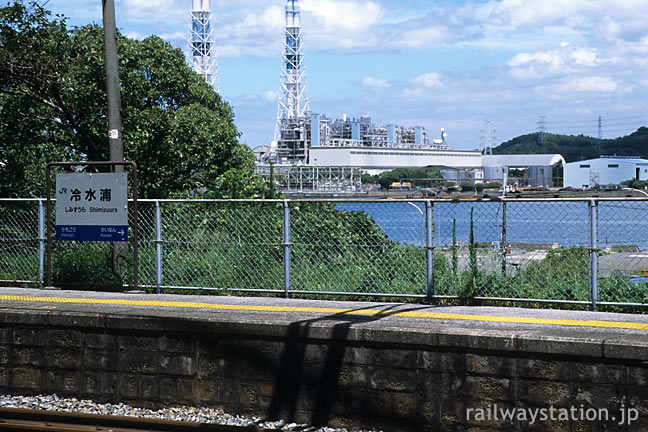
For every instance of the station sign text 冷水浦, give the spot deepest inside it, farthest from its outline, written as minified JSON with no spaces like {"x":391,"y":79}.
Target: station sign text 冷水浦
{"x":92,"y":207}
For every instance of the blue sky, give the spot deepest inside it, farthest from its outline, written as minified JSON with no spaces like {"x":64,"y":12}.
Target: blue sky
{"x":450,"y":64}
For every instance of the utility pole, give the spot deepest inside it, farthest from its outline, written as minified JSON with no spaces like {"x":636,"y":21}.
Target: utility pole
{"x":115,"y":142}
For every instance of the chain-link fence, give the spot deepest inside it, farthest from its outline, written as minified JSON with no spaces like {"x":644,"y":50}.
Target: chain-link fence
{"x":584,"y":251}
{"x":22,"y":246}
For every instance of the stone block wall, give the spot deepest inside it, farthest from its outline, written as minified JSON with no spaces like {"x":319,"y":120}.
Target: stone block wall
{"x":340,"y":373}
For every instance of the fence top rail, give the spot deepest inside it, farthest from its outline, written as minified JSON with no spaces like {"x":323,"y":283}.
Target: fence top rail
{"x":382,"y":200}
{"x":22,"y":199}
{"x":368,"y":200}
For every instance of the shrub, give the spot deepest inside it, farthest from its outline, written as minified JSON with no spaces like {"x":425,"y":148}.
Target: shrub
{"x":562,"y":274}
{"x":86,"y":264}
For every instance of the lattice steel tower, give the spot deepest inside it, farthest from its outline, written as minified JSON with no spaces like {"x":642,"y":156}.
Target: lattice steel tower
{"x":293,"y":97}
{"x":201,"y":43}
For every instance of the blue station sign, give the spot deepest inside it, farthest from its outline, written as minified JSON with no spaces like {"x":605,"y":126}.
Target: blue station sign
{"x":92,"y":207}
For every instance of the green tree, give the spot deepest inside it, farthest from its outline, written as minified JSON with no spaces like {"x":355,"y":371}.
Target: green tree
{"x":53,"y":107}
{"x":429,"y":177}
{"x":240,"y":184}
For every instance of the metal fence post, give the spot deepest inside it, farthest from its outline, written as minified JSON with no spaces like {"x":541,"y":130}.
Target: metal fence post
{"x":286,"y":245}
{"x":503,"y":245}
{"x":429,"y":248}
{"x":158,"y":246}
{"x":41,"y":240}
{"x":594,"y":251}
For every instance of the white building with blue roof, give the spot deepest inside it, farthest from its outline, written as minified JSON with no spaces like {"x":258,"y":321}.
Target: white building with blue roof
{"x":611,"y":170}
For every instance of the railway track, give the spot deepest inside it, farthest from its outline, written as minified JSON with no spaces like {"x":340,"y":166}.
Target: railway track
{"x":21,"y":420}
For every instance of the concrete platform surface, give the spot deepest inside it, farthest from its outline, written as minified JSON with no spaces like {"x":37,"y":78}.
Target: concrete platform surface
{"x":597,"y":334}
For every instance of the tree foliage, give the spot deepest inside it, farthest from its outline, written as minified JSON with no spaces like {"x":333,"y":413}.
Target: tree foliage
{"x":421,"y":176}
{"x":578,"y":147}
{"x":239,"y":184}
{"x":53,"y":107}
{"x":635,"y":184}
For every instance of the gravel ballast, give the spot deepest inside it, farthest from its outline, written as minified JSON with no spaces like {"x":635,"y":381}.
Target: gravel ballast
{"x":180,"y":413}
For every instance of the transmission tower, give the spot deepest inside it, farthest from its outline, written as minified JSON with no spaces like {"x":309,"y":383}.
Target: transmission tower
{"x":293,"y":97}
{"x":600,"y":136}
{"x":201,"y":43}
{"x":542,"y":129}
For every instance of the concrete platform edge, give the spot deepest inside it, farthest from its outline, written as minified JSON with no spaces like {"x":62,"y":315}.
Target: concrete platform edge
{"x":431,"y":336}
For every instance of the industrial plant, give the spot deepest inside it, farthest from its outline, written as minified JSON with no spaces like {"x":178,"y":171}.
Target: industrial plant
{"x":298,"y":130}
{"x":314,"y":151}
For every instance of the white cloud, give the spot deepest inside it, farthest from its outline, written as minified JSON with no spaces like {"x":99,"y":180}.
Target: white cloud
{"x":547,"y":63}
{"x":593,"y":84}
{"x":374,"y":82}
{"x":271,"y":95}
{"x":251,"y":32}
{"x":152,"y":8}
{"x":592,"y":19}
{"x":635,"y":51}
{"x":587,"y":84}
{"x":429,"y":80}
{"x":352,"y":16}
{"x":564,"y":55}
{"x":421,"y":37}
{"x":335,"y":25}
{"x":175,"y":36}
{"x":521,"y":13}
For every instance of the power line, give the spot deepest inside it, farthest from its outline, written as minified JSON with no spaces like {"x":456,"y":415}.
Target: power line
{"x":614,"y":130}
{"x":595,"y":123}
{"x":596,"y":128}
{"x":627,"y":118}
{"x":570,"y":122}
{"x":593,"y":132}
{"x":570,"y":127}
{"x":605,"y":118}
{"x":622,"y":124}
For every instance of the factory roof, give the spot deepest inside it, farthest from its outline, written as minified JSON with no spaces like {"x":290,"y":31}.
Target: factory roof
{"x":431,"y":150}
{"x":617,"y":159}
{"x":522,"y":160}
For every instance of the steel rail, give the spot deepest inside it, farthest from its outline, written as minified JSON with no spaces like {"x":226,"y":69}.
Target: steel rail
{"x":20,"y":420}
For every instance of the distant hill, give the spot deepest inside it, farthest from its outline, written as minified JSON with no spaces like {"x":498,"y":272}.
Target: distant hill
{"x":579,"y":147}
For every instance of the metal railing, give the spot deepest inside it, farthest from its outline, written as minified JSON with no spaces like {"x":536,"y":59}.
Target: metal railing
{"x":590,"y":251}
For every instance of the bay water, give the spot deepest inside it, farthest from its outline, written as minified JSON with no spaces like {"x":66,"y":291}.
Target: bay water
{"x":565,"y":223}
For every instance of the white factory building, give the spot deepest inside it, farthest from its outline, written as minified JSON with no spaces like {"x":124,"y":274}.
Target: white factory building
{"x":604,"y":171}
{"x":539,"y":167}
{"x":455,"y":165}
{"x":377,"y":159}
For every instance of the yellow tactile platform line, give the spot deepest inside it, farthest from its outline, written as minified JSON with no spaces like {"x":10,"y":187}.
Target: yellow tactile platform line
{"x":341,"y":311}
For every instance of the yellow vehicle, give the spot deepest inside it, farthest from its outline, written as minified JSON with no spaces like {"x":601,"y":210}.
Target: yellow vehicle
{"x":401,"y":186}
